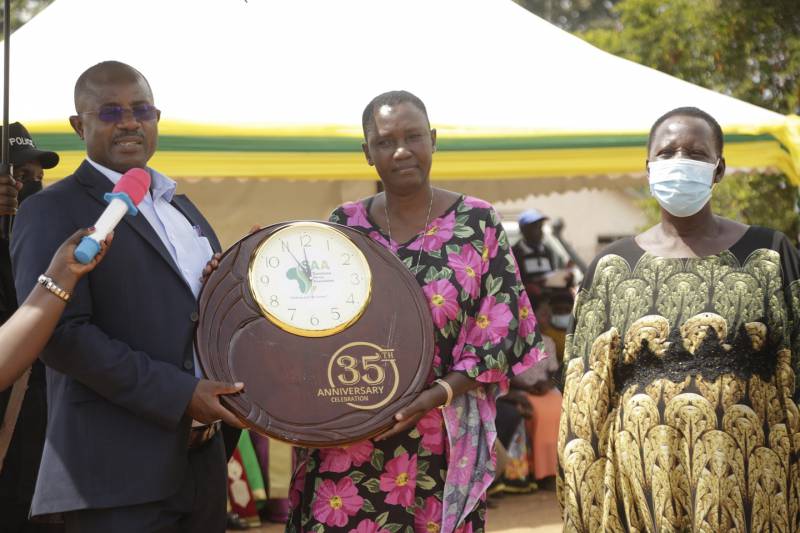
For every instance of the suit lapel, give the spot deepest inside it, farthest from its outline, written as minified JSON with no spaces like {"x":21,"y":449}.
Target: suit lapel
{"x":97,"y":185}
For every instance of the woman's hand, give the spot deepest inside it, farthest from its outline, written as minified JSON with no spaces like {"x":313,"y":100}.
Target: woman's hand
{"x":430,"y":398}
{"x":408,"y":417}
{"x":64,"y":269}
{"x":213,"y":263}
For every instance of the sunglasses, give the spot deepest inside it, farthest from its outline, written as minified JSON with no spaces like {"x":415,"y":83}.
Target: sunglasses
{"x":116,"y":113}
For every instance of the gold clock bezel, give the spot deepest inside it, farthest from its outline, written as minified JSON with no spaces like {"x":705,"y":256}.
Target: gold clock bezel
{"x":303,"y":332}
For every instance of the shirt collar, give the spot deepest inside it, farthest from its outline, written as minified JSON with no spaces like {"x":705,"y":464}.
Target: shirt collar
{"x":160,"y":187}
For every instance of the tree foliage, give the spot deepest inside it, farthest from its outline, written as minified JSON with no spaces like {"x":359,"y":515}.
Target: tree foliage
{"x":22,"y":11}
{"x":748,"y":49}
{"x":574,"y":15}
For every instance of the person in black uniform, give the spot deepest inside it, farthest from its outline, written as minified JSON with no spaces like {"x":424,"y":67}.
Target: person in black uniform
{"x":21,"y":464}
{"x":534,"y":257}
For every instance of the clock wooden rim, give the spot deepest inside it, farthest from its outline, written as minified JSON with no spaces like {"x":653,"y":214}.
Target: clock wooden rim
{"x":304,"y":332}
{"x":223,"y":296}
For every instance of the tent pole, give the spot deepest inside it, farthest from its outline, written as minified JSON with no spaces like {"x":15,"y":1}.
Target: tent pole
{"x":5,"y":165}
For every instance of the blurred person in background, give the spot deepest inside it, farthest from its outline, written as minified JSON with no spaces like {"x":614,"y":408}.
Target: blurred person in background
{"x":575,"y":261}
{"x":26,"y":416}
{"x":535,"y":258}
{"x":554,"y":313}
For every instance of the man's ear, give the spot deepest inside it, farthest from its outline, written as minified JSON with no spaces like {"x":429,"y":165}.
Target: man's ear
{"x":433,"y":138}
{"x":365,"y":148}
{"x":77,"y":125}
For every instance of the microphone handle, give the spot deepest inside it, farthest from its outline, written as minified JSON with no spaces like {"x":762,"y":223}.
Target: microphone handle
{"x":109,"y":219}
{"x":89,"y":246}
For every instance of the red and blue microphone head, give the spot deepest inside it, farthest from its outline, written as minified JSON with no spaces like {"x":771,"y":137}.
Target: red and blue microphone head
{"x":127,"y":194}
{"x":131,"y":188}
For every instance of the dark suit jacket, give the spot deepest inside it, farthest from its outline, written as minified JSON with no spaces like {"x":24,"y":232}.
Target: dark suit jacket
{"x":119,"y":366}
{"x":20,"y":468}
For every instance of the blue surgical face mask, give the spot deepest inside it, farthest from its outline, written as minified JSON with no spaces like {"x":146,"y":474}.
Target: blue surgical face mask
{"x":681,"y":186}
{"x":560,"y":321}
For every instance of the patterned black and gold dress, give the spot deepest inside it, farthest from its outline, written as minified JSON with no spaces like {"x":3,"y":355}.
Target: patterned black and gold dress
{"x":680,"y":402}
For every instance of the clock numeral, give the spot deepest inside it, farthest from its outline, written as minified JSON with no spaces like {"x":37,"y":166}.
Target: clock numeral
{"x":351,"y":299}
{"x":335,"y":313}
{"x":305,"y":240}
{"x":355,"y":279}
{"x":346,"y":259}
{"x":264,"y":279}
{"x":328,"y":243}
{"x":273,"y":261}
{"x":284,"y":246}
{"x":293,"y":310}
{"x":348,"y":363}
{"x":273,"y":301}
{"x":314,"y":320}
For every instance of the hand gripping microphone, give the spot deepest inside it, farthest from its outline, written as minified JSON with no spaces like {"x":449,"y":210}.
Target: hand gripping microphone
{"x":127,"y":193}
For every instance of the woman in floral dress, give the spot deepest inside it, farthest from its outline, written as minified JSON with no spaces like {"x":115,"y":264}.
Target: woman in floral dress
{"x":429,"y":472}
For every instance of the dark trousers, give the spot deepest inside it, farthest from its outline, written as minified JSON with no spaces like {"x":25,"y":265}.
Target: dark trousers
{"x":506,"y":421}
{"x":18,"y":476}
{"x":199,"y":506}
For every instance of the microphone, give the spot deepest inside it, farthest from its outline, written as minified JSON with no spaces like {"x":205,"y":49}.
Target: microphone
{"x":127,"y":193}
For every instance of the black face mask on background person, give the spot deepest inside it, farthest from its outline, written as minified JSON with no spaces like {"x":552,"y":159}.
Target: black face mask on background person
{"x":29,"y":188}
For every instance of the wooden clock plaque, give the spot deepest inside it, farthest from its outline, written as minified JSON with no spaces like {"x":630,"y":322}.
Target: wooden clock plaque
{"x":328,"y":330}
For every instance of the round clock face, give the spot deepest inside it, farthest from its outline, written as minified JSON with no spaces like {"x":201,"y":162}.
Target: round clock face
{"x":310,"y":279}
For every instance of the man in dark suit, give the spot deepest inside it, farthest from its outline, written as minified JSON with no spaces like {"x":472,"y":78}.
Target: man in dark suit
{"x":24,"y":416}
{"x":122,"y":378}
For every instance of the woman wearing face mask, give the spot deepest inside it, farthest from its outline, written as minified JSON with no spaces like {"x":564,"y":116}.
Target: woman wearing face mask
{"x":557,"y":315}
{"x":680,"y":401}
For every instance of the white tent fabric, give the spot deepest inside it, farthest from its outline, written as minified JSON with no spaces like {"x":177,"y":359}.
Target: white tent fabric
{"x":485,"y":68}
{"x":480,"y":65}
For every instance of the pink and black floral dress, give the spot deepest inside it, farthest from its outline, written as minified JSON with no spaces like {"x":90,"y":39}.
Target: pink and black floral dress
{"x":434,"y":477}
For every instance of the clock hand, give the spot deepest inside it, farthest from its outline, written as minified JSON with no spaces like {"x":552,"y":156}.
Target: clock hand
{"x":299,"y":264}
{"x":308,"y":265}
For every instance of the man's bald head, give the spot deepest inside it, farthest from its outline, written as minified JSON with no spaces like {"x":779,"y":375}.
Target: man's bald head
{"x":105,"y":73}
{"x":116,"y":116}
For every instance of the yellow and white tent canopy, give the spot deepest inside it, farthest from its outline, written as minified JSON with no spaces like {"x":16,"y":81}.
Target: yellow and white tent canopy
{"x":275,"y":88}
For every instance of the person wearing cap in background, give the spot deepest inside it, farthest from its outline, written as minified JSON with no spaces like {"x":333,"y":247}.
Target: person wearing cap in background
{"x":534,"y":257}
{"x":27,"y":415}
{"x":28,"y":163}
